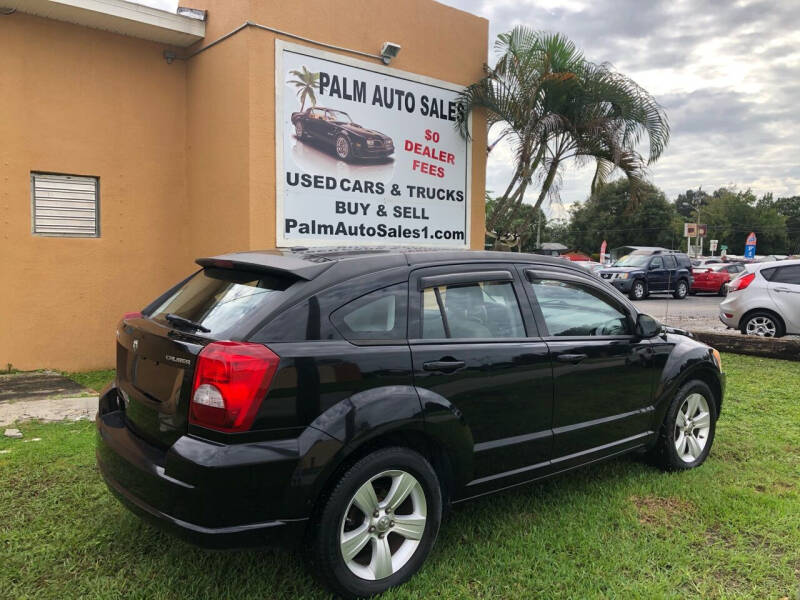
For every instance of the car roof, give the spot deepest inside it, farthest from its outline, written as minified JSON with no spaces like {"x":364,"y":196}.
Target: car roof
{"x":307,"y":263}
{"x":757,"y":266}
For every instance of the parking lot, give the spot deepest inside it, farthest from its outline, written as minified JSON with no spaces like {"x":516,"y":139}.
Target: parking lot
{"x":693,"y":312}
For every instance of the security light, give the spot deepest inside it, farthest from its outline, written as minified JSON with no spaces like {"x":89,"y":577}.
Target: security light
{"x":389,"y":50}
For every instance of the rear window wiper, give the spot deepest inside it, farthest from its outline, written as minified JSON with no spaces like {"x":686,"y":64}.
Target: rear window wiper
{"x":178,"y":320}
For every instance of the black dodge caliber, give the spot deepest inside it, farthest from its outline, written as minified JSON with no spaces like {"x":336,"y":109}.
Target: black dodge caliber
{"x":342,"y":399}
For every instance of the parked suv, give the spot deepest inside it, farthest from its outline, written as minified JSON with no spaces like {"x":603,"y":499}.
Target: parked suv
{"x":764,"y":300}
{"x":647,"y":271}
{"x":340,"y":400}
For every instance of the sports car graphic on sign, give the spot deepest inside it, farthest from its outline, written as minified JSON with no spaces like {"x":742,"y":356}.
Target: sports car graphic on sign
{"x":335,"y":129}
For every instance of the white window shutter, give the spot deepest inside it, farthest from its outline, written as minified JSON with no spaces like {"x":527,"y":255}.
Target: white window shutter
{"x":65,"y":205}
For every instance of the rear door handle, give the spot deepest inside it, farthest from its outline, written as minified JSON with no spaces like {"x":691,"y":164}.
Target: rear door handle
{"x":571,"y":358}
{"x":787,"y":290}
{"x":445,"y":366}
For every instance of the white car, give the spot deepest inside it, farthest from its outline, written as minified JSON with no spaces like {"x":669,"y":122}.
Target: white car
{"x":764,"y":300}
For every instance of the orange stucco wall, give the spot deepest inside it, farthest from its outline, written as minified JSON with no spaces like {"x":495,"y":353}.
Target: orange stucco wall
{"x":185,"y":154}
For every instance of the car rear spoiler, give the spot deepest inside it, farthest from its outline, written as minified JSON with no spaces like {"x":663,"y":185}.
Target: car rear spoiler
{"x":267,"y":262}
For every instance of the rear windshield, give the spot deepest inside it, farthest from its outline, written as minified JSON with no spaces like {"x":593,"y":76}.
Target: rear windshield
{"x":219,"y":299}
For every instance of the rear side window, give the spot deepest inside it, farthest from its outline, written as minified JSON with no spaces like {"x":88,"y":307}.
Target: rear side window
{"x":486,"y":309}
{"x":379,"y":315}
{"x":218,"y":299}
{"x":669,"y":262}
{"x":789,"y":274}
{"x":683,"y":261}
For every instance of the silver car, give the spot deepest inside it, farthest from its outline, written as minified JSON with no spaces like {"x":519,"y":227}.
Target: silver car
{"x":764,"y":300}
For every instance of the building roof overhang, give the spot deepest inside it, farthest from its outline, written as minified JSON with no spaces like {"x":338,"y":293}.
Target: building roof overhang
{"x":119,"y":16}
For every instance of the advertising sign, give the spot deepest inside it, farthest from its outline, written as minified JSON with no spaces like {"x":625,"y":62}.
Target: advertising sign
{"x":367,"y":155}
{"x":750,"y":246}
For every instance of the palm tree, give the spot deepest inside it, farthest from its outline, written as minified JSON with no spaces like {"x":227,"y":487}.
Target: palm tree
{"x":305,"y":83}
{"x":555,"y":106}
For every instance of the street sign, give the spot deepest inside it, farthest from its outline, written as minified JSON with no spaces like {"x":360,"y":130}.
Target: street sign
{"x":723,"y":247}
{"x":713,"y":245}
{"x":751,"y":239}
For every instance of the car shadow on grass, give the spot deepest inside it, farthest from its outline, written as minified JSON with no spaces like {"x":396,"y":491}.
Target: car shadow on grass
{"x":280,"y":573}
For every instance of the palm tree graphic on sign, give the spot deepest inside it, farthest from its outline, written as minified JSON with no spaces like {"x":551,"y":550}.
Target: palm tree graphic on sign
{"x":306,"y":82}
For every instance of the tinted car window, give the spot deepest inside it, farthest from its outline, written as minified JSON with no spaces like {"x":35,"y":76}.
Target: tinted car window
{"x":669,"y":262}
{"x":572,"y":309}
{"x":683,"y":261}
{"x":379,"y":315}
{"x":473,"y":310}
{"x":789,"y":274}
{"x":218,"y":299}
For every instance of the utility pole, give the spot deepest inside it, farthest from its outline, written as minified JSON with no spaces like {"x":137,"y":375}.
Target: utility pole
{"x":538,"y":229}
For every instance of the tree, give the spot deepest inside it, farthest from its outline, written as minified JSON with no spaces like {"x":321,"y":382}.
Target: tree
{"x":305,"y":83}
{"x":608,"y":215}
{"x":731,"y":215}
{"x":521,"y":232}
{"x":687,"y":203}
{"x":790,"y":209}
{"x":554,"y":106}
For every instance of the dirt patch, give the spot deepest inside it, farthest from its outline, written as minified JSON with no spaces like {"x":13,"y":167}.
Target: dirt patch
{"x":661,"y":512}
{"x":39,"y":385}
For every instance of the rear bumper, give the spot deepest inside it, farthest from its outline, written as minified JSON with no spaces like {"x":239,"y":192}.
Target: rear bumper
{"x":278,"y":533}
{"x":212,"y":495}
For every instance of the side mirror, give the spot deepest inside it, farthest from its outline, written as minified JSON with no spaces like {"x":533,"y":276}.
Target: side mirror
{"x":647,"y":326}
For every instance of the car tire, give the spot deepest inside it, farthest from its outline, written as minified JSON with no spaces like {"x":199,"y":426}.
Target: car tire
{"x":762,"y":323}
{"x":384,"y":555}
{"x":687,"y":433}
{"x":723,"y":290}
{"x":343,"y":148}
{"x":681,"y":290}
{"x":299,"y":131}
{"x":638,"y":290}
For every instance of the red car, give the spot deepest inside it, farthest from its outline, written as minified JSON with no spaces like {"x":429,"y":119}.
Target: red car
{"x":713,"y":278}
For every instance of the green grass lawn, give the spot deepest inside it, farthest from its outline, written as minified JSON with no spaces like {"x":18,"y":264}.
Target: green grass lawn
{"x":94,"y":380}
{"x":730,"y":529}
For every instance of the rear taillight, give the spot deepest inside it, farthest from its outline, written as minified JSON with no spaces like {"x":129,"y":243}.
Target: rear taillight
{"x":230,"y":381}
{"x":741,"y":282}
{"x":131,"y":315}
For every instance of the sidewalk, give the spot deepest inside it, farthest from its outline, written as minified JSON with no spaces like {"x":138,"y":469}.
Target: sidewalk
{"x":44,"y":395}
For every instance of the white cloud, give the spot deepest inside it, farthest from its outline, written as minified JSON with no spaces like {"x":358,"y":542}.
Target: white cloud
{"x":727,"y":73}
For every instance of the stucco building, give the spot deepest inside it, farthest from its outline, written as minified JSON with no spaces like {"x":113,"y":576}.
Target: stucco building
{"x":133,"y":141}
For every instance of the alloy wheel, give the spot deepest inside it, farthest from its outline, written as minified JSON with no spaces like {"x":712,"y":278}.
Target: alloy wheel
{"x":383,"y":525}
{"x":681,"y":289}
{"x":638,"y":290}
{"x":761,"y":326}
{"x":692,"y":427}
{"x":342,"y":147}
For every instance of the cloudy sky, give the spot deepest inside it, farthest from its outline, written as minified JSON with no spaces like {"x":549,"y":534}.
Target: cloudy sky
{"x":726,"y":71}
